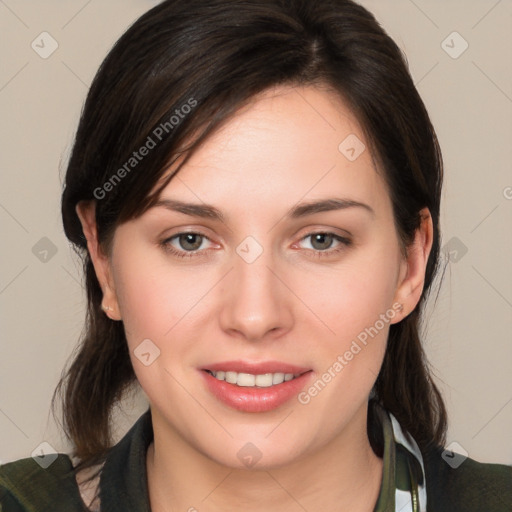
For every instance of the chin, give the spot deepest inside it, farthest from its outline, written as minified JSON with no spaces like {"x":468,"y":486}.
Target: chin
{"x":256,"y":455}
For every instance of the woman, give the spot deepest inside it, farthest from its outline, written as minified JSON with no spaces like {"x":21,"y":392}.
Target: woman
{"x":255,"y":188}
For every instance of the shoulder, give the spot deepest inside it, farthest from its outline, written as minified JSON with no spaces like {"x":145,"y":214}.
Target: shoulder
{"x":25,"y":486}
{"x":472,"y":485}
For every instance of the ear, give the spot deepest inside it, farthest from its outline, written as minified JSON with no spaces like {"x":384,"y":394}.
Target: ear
{"x":412,"y":272}
{"x":86,"y":211}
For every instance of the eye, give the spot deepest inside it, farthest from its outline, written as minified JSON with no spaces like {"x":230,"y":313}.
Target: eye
{"x":185,"y":245}
{"x":321,"y":243}
{"x":191,"y":244}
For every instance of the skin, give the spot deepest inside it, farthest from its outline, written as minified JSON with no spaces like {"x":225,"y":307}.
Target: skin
{"x":288,"y":305}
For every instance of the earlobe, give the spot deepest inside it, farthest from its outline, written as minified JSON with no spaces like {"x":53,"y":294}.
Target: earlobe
{"x":412,"y":273}
{"x":86,"y":211}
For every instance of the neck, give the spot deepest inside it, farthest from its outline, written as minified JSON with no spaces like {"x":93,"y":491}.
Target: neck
{"x":344,"y":475}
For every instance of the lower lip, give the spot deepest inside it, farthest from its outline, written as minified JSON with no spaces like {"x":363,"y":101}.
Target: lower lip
{"x":253,"y":399}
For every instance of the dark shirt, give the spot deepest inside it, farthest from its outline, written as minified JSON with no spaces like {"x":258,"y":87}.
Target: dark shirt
{"x":26,"y":487}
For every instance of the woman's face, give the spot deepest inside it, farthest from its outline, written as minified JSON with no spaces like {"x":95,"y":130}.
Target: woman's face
{"x":262,"y":279}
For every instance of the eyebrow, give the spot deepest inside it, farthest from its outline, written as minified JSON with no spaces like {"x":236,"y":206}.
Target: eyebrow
{"x":298,"y":211}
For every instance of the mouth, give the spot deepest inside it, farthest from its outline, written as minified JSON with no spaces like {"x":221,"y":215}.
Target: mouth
{"x":255,"y":387}
{"x":251,"y":380}
{"x":255,"y":374}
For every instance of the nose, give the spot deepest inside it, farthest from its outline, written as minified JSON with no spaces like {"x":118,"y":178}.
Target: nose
{"x":256,"y":305}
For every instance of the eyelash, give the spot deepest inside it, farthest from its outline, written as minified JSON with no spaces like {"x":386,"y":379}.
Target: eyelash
{"x":345,"y":243}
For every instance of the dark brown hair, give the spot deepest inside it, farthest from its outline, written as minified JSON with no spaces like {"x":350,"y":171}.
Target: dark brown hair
{"x":214,"y":57}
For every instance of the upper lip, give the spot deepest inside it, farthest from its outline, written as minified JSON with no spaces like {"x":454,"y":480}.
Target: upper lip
{"x":256,"y":368}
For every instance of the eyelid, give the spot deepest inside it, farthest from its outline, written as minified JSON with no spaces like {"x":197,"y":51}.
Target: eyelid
{"x":312,"y":230}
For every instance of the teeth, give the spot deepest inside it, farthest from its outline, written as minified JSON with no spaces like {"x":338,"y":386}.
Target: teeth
{"x":249,"y":380}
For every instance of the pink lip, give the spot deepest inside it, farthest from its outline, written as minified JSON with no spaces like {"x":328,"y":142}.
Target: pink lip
{"x":253,"y":399}
{"x":255,"y":368}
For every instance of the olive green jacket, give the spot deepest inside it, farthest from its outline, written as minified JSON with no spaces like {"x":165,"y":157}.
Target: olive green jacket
{"x":26,"y":487}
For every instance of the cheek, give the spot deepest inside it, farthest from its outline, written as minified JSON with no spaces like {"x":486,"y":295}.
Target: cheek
{"x":158,"y":303}
{"x":352,"y":296}
{"x":355,"y":305}
{"x":356,"y":310}
{"x":154,"y":297}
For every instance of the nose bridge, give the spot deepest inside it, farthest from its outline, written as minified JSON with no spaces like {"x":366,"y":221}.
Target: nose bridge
{"x":256,"y":302}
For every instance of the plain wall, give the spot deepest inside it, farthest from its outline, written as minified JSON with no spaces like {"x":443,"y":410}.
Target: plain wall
{"x":469,"y":98}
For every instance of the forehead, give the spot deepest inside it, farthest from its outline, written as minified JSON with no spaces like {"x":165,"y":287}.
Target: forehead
{"x":287,"y":144}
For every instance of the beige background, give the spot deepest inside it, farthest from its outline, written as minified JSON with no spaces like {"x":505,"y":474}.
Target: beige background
{"x":469,"y":339}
